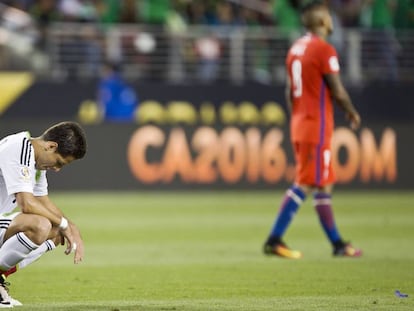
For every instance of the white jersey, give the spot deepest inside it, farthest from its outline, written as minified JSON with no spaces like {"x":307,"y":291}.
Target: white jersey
{"x":18,"y":172}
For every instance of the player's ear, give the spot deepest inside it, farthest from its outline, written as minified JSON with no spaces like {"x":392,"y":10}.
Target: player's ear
{"x":322,"y":21}
{"x":51,"y":146}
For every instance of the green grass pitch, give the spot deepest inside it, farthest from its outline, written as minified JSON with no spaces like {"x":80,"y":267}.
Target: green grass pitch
{"x":202,"y":251}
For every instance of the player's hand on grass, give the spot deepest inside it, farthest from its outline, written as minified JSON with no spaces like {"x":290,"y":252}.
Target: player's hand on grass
{"x":77,"y":246}
{"x":79,"y":252}
{"x":74,"y":242}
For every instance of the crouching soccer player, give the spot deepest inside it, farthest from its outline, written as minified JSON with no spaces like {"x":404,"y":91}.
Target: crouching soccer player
{"x":39,"y":226}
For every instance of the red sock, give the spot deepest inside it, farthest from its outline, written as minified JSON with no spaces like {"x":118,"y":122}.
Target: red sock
{"x":10,"y":271}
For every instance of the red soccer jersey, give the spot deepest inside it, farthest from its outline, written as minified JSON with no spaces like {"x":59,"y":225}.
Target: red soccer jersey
{"x":308,"y":60}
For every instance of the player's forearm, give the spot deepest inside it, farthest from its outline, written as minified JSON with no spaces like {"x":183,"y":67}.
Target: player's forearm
{"x":29,"y":204}
{"x":48,"y":204}
{"x":344,"y":101}
{"x":339,"y":93}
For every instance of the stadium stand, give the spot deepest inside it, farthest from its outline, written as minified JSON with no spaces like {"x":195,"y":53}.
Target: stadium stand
{"x":242,"y":41}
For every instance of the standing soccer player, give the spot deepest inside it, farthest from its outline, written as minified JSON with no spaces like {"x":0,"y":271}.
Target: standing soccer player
{"x":313,"y":81}
{"x":39,"y":225}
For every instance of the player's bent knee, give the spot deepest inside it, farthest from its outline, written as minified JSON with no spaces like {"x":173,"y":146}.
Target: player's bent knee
{"x":39,"y":229}
{"x":43,"y":225}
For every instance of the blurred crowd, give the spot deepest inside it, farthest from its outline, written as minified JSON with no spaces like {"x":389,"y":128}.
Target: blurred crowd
{"x":386,"y":18}
{"x":200,"y":57}
{"x":281,"y":13}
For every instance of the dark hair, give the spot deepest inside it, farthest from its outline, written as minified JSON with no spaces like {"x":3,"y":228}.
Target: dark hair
{"x":70,"y":138}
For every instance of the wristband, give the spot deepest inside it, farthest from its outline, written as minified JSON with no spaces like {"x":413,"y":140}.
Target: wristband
{"x":63,"y":224}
